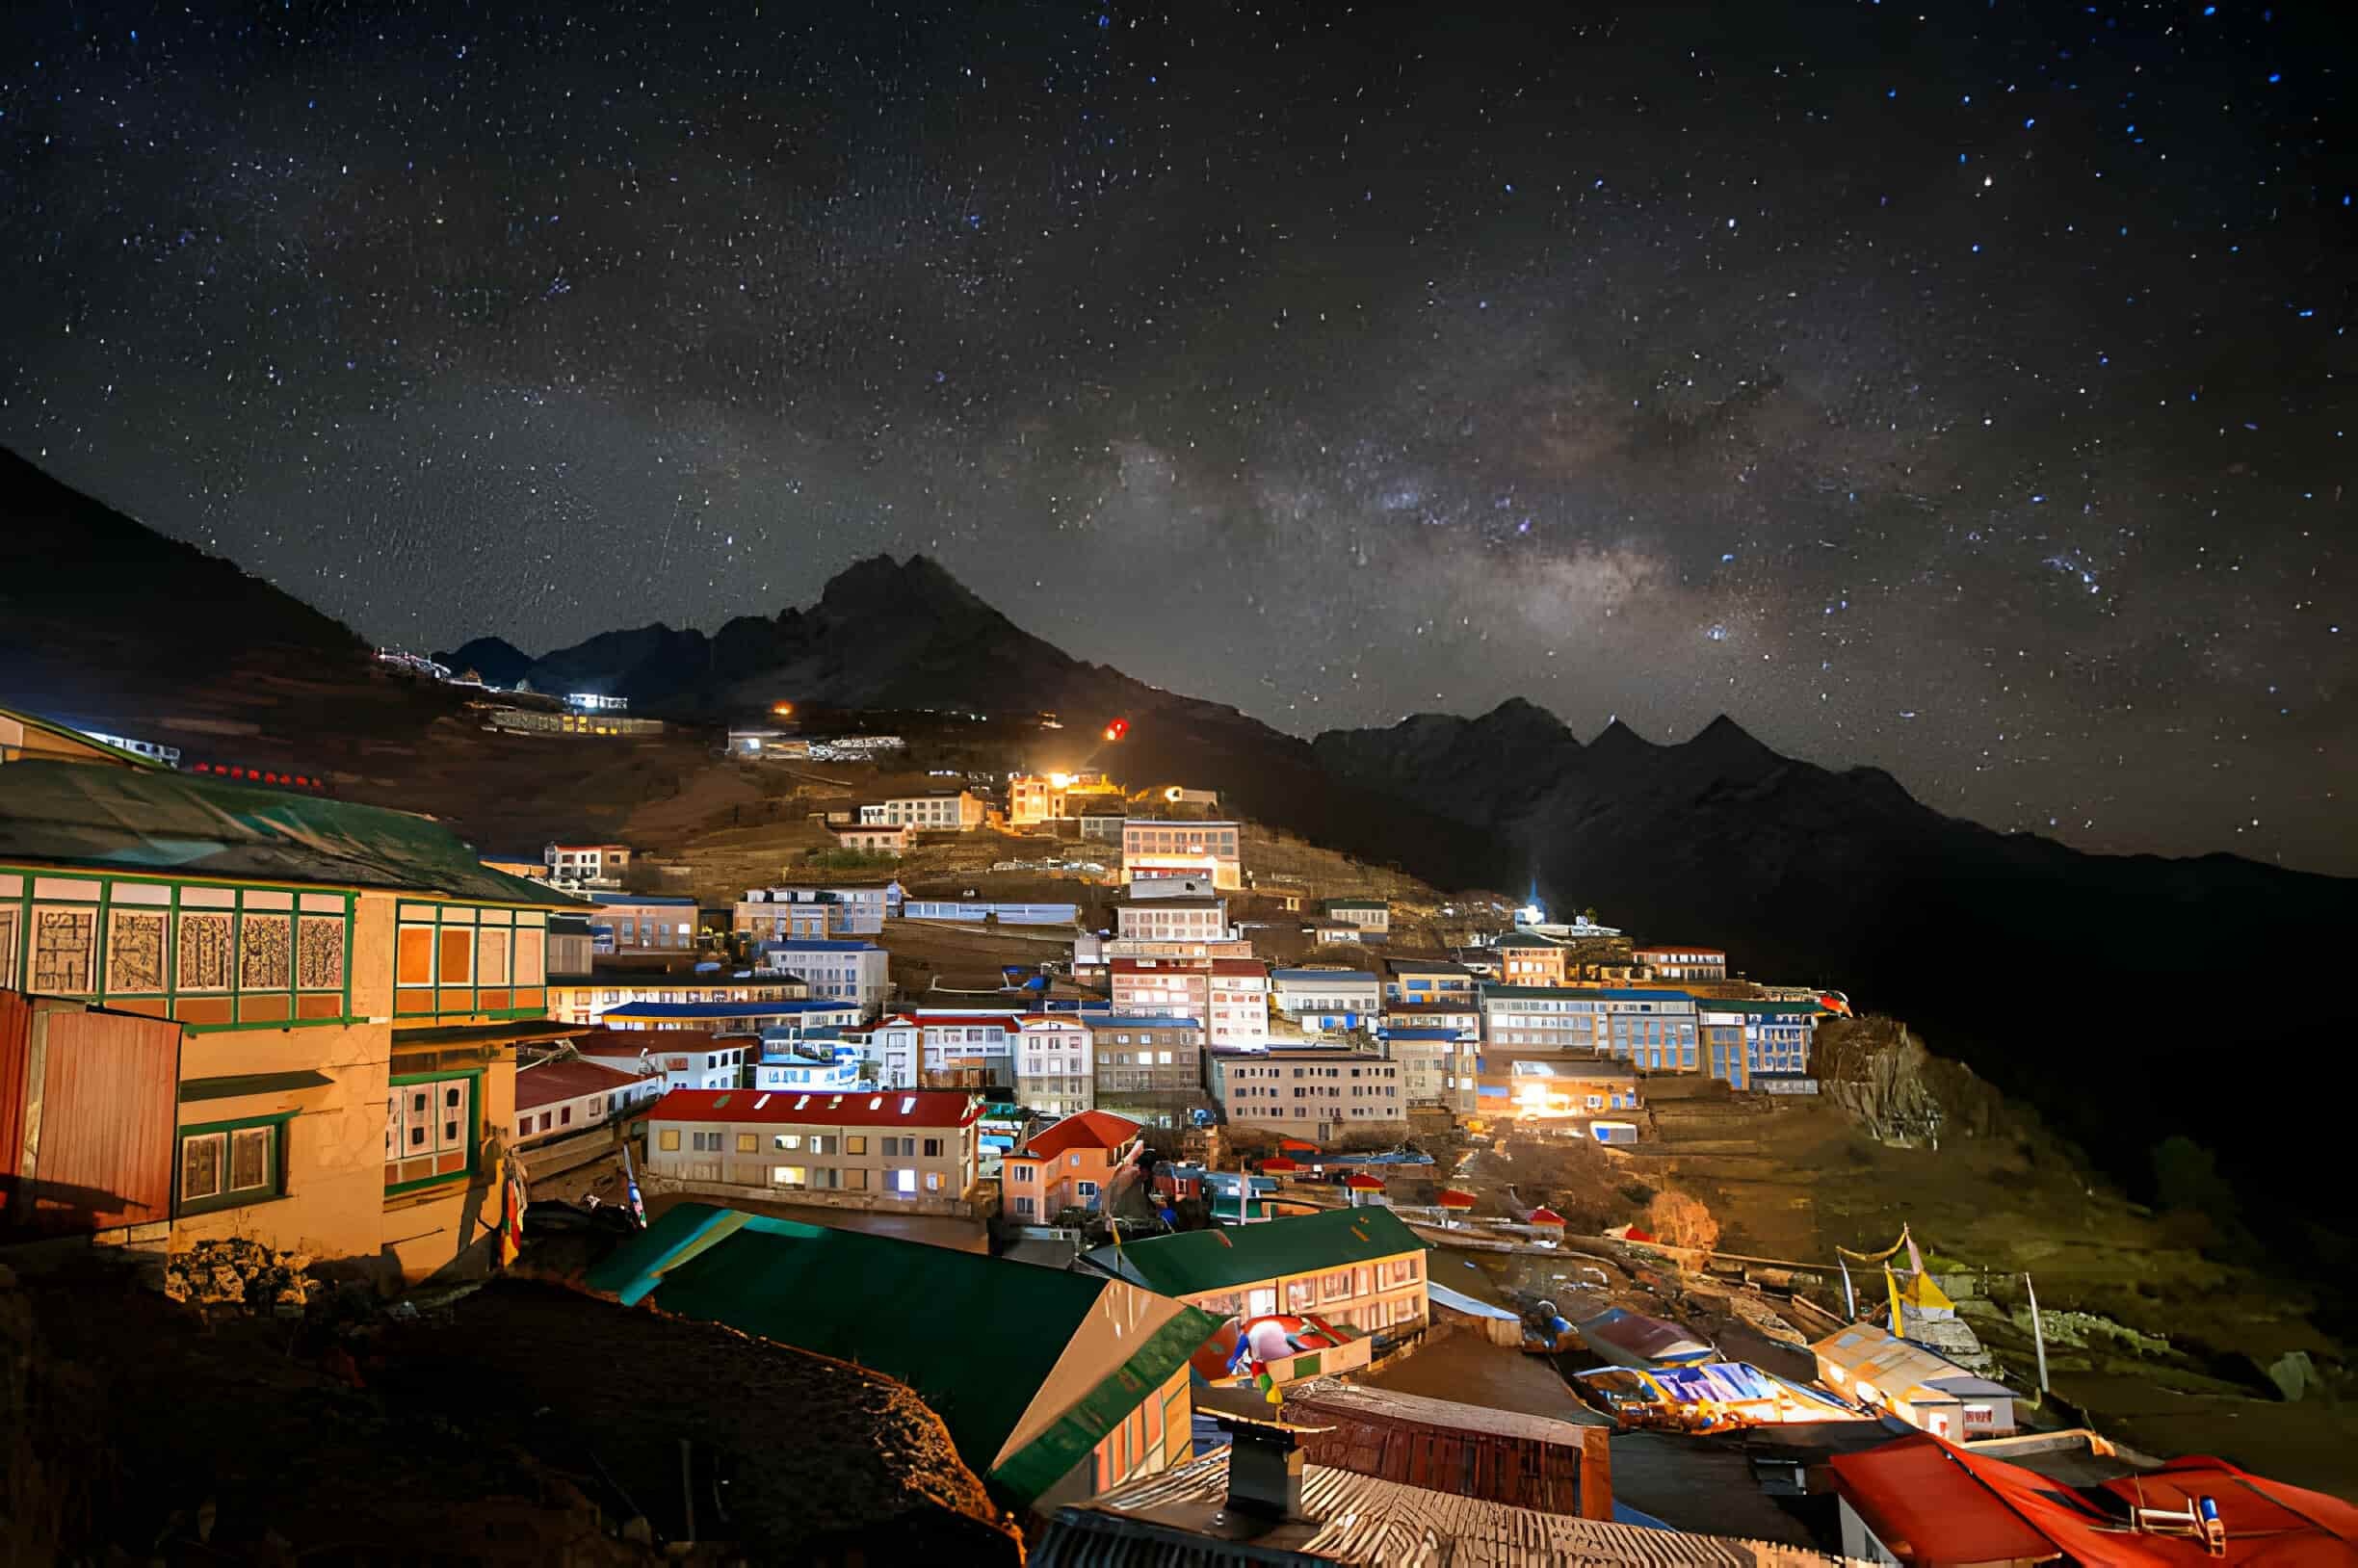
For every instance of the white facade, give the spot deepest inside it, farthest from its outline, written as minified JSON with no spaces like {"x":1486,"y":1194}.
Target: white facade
{"x":782,"y":913}
{"x":1157,"y":849}
{"x":906,"y":1046}
{"x":1306,"y":994}
{"x":539,"y":1119}
{"x":576,"y":865}
{"x":957,"y":812}
{"x":1056,"y":1070}
{"x":854,"y":971}
{"x":1368,"y":914}
{"x":1240,"y":1004}
{"x":1314,"y":1094}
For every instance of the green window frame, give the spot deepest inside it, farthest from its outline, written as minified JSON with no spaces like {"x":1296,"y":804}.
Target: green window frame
{"x":403,"y":1148}
{"x":239,"y":1162}
{"x":523,"y":964}
{"x":123,"y":908}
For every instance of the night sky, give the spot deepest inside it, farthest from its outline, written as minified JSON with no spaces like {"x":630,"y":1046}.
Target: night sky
{"x":1956,"y":388}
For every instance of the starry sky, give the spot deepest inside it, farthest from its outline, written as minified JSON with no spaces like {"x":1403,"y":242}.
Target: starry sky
{"x":1958,"y":388}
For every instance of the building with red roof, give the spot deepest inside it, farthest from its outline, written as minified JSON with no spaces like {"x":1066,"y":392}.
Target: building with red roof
{"x":893,"y":1148}
{"x":1925,"y":1501}
{"x":1363,"y":1187}
{"x":1077,"y":1162}
{"x":557,"y":1098}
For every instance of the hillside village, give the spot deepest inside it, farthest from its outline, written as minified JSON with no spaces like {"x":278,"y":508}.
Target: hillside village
{"x":1386,"y":1183}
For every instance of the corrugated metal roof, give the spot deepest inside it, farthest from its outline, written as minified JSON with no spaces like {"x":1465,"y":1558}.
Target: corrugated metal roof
{"x":1213,"y":1259}
{"x":134,"y":819}
{"x":1358,"y":1519}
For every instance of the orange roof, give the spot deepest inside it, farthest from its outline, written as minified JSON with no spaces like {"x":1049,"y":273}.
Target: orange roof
{"x":1082,"y":1130}
{"x":1933,"y":1502}
{"x":1361,"y":1182}
{"x":1545,"y":1216}
{"x":1454,"y":1198}
{"x":1297,"y":1143}
{"x":887,"y":1107}
{"x":1277,"y":1164}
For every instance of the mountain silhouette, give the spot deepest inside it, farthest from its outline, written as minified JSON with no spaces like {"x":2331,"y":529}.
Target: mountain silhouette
{"x":2111,"y":991}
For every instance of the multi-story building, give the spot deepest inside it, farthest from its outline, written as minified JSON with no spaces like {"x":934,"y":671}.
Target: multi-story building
{"x":1162,"y":987}
{"x":342,"y":978}
{"x":1174,"y":920}
{"x":1549,"y":1085}
{"x":785,"y":1019}
{"x":1318,"y":1092}
{"x":1171,"y":887}
{"x":571,"y":949}
{"x":979,"y":1048}
{"x":1682,"y":963}
{"x":1033,"y":799}
{"x":1412,"y":982}
{"x":941,"y":810}
{"x":1528,"y":958}
{"x":579,"y":865}
{"x":1438,"y":1065}
{"x":1548,"y":1017}
{"x":586,"y":998}
{"x":859,"y":1151}
{"x":1155,"y":847}
{"x":1465,"y":1016}
{"x":1149,"y":1069}
{"x":1359,"y":1268}
{"x":642,"y":923}
{"x":1743,"y":1039}
{"x":1071,"y":1164}
{"x":1055,"y":1067}
{"x":556,"y":1099}
{"x":1327,"y":1001}
{"x":781,"y":914}
{"x":843,"y":971}
{"x":1240,"y":997}
{"x":1372,"y":916}
{"x":1652,"y":1029}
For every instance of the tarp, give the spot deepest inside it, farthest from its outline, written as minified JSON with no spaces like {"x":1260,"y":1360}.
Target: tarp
{"x":1631,"y":1338}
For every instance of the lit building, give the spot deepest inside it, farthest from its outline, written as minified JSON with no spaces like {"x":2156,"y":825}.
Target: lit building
{"x":643,"y":922}
{"x":1240,"y":998}
{"x":856,"y":1151}
{"x":955,"y":810}
{"x":299,"y":982}
{"x":1172,"y":920}
{"x":1055,"y":1067}
{"x":557,"y":1099}
{"x":1324,"y":1001}
{"x":586,"y":998}
{"x":1743,"y":1040}
{"x":1528,"y":958}
{"x":1154,"y":848}
{"x":586,"y":865}
{"x":844,"y":971}
{"x":1683,"y":963}
{"x":1372,"y":916}
{"x":781,"y":914}
{"x":1162,"y":987}
{"x":1316,"y":1092}
{"x":1359,"y":1268}
{"x":1149,"y":1069}
{"x":1033,"y":799}
{"x":1068,"y":1166}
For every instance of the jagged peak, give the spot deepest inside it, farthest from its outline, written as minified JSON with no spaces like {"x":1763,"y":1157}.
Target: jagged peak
{"x":1618,"y":736}
{"x":879,"y":580}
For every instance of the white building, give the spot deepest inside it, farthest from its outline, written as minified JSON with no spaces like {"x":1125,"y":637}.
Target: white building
{"x":1239,"y":1003}
{"x":1174,"y":920}
{"x":1683,"y":963}
{"x":778,"y":914}
{"x":845,"y":971}
{"x":1372,"y":916}
{"x":816,"y":1067}
{"x":556,"y":1098}
{"x":578,"y":866}
{"x":872,"y":838}
{"x":957,"y":811}
{"x":1321,"y":1000}
{"x":972,"y":1044}
{"x":1055,"y":1071}
{"x":1316,"y":1092}
{"x":1155,"y":849}
{"x":676,"y":1060}
{"x":643,"y":922}
{"x":1172,"y":887}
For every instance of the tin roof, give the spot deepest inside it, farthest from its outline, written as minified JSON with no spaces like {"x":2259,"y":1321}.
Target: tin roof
{"x":546,"y":1083}
{"x":1212,"y":1260}
{"x":155,"y":820}
{"x":1180,"y":1516}
{"x":1083,"y":1130}
{"x":1029,"y":1367}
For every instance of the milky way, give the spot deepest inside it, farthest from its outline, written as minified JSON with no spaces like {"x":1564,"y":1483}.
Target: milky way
{"x":1959,"y":390}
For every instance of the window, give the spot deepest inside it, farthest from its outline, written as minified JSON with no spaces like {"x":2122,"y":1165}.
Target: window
{"x":669,"y":1139}
{"x":228,"y":1164}
{"x":789,"y":1176}
{"x":429,"y":1130}
{"x":901,"y":1181}
{"x":855,"y":1180}
{"x":786,"y":1140}
{"x":65,"y":943}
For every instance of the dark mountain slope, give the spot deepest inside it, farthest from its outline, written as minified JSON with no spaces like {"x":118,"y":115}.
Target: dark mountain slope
{"x":2112,"y":991}
{"x":495,"y":659}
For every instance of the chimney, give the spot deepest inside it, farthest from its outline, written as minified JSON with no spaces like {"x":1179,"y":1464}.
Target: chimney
{"x":1265,"y":1471}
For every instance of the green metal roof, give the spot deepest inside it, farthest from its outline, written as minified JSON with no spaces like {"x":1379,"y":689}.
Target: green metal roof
{"x":66,"y":732}
{"x":1213,"y":1259}
{"x":980,"y":1337}
{"x":157,"y":821}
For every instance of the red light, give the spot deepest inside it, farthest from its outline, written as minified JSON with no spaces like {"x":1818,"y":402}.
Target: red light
{"x":1117,"y":730}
